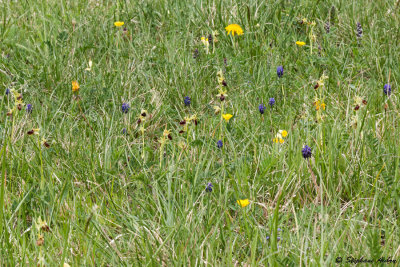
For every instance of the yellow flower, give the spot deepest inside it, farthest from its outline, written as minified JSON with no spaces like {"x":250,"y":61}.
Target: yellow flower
{"x":118,"y":23}
{"x":281,"y":141}
{"x":75,"y":86}
{"x":227,"y":116}
{"x":299,"y":43}
{"x":284,"y":133}
{"x":234,"y":28}
{"x":216,"y":109}
{"x":205,"y":42}
{"x":243,"y":202}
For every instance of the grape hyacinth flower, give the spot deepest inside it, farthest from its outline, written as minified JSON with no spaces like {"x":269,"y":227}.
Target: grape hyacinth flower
{"x":359,"y":30}
{"x":306,"y":151}
{"x":219,"y":144}
{"x":29,"y":108}
{"x":7,"y":91}
{"x":209,"y":187}
{"x":124,"y":131}
{"x":387,"y":89}
{"x":125,"y":107}
{"x":279,"y":71}
{"x":187,"y":101}
{"x":271,"y":101}
{"x":261,"y":108}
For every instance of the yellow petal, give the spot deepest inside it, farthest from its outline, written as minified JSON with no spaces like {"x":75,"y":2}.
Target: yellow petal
{"x":243,"y":202}
{"x":284,"y":133}
{"x":118,"y":23}
{"x":299,"y":43}
{"x":227,"y":117}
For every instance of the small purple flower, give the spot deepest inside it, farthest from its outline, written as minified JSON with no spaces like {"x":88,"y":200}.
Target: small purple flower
{"x":29,"y":108}
{"x":219,"y":144}
{"x":124,"y":131}
{"x":387,"y":89}
{"x":125,"y":107}
{"x":271,"y":101}
{"x":306,"y":151}
{"x":279,"y":71}
{"x":209,"y":187}
{"x":7,"y":91}
{"x":187,"y":101}
{"x":261,"y":108}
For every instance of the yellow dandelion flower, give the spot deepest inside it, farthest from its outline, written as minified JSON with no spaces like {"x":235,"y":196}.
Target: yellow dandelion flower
{"x":243,"y":202}
{"x":281,"y":141}
{"x":284,"y":133}
{"x":227,"y":117}
{"x":299,"y":43}
{"x":234,"y":28}
{"x":118,"y":23}
{"x":275,"y":140}
{"x":75,"y":86}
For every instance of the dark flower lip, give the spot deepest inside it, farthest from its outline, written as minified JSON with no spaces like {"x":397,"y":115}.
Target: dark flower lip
{"x":139,"y":121}
{"x":222,"y":97}
{"x":30,"y":132}
{"x":144,"y":114}
{"x":357,"y":107}
{"x":182,"y":122}
{"x":224,"y":83}
{"x":316,"y":86}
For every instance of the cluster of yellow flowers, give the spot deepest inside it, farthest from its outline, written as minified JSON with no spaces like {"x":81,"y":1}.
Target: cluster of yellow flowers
{"x":279,"y":136}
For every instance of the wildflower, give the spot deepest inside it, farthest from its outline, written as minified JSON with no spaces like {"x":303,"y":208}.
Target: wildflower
{"x":34,"y":131}
{"x":303,"y":21}
{"x":118,"y":23}
{"x":261,"y":108}
{"x":209,"y":187}
{"x":42,"y":225}
{"x":234,"y":28}
{"x":359,"y":30}
{"x":327,"y":27}
{"x":306,"y":151}
{"x":206,"y":44}
{"x":75,"y":86}
{"x":271,"y":101}
{"x":299,"y":43}
{"x":187,"y":101}
{"x":89,"y":68}
{"x":124,"y":131}
{"x":167,"y":133}
{"x":227,"y":117}
{"x":210,"y":39}
{"x":243,"y":202}
{"x":217,"y":109}
{"x":318,"y":104}
{"x":7,"y":91}
{"x":40,"y":240}
{"x":222,"y":94}
{"x":196,"y":53}
{"x":125,"y":107}
{"x":279,"y":71}
{"x":29,"y":108}
{"x":219,"y":144}
{"x":387,"y":89}
{"x":279,"y":136}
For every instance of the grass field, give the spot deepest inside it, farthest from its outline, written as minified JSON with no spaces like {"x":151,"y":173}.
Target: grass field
{"x":116,"y":147}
